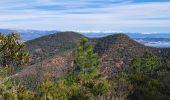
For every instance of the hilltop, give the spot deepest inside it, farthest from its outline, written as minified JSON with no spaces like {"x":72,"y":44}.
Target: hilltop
{"x":51,"y":53}
{"x":55,"y":52}
{"x":50,"y":45}
{"x":117,"y":51}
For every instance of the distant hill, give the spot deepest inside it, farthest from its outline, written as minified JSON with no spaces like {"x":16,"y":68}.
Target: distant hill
{"x":47,"y":46}
{"x":115,"y":52}
{"x":51,"y":53}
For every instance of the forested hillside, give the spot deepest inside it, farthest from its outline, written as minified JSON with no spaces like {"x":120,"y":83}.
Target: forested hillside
{"x":69,"y":66}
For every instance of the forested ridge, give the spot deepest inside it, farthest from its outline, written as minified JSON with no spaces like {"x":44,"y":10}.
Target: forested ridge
{"x":69,"y":66}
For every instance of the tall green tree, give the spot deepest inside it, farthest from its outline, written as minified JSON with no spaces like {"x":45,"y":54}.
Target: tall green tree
{"x":88,"y":77}
{"x":82,"y":84}
{"x":85,"y":58}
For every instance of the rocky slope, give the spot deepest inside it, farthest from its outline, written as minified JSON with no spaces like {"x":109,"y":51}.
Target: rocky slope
{"x":117,"y":51}
{"x":47,"y":46}
{"x":54,"y":53}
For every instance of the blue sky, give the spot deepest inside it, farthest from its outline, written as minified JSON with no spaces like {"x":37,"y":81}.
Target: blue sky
{"x":86,"y":15}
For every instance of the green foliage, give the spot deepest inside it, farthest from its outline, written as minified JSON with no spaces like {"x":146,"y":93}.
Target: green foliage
{"x":146,"y":88}
{"x":11,"y":91}
{"x":31,"y":82}
{"x":146,"y":78}
{"x":150,"y":62}
{"x":168,"y":63}
{"x":136,"y":63}
{"x":85,"y":81}
{"x":87,"y":76}
{"x":147,"y":64}
{"x":102,"y":87}
{"x":12,"y":51}
{"x":121,"y":86}
{"x":85,"y":58}
{"x":85,"y":84}
{"x":75,"y":91}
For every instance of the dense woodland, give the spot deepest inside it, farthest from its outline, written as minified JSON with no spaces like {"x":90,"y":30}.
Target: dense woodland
{"x":146,"y":77}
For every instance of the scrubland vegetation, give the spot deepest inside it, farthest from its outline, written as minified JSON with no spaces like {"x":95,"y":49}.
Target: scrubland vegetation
{"x":145,"y":79}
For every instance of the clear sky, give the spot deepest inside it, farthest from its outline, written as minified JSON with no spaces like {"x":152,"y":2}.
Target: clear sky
{"x":83,"y":15}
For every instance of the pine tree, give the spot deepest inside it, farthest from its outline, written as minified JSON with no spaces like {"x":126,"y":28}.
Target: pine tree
{"x":85,"y":58}
{"x":88,"y":77}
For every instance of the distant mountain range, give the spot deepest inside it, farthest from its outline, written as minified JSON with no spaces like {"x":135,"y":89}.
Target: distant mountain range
{"x":152,"y":39}
{"x":27,"y":34}
{"x":132,"y":35}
